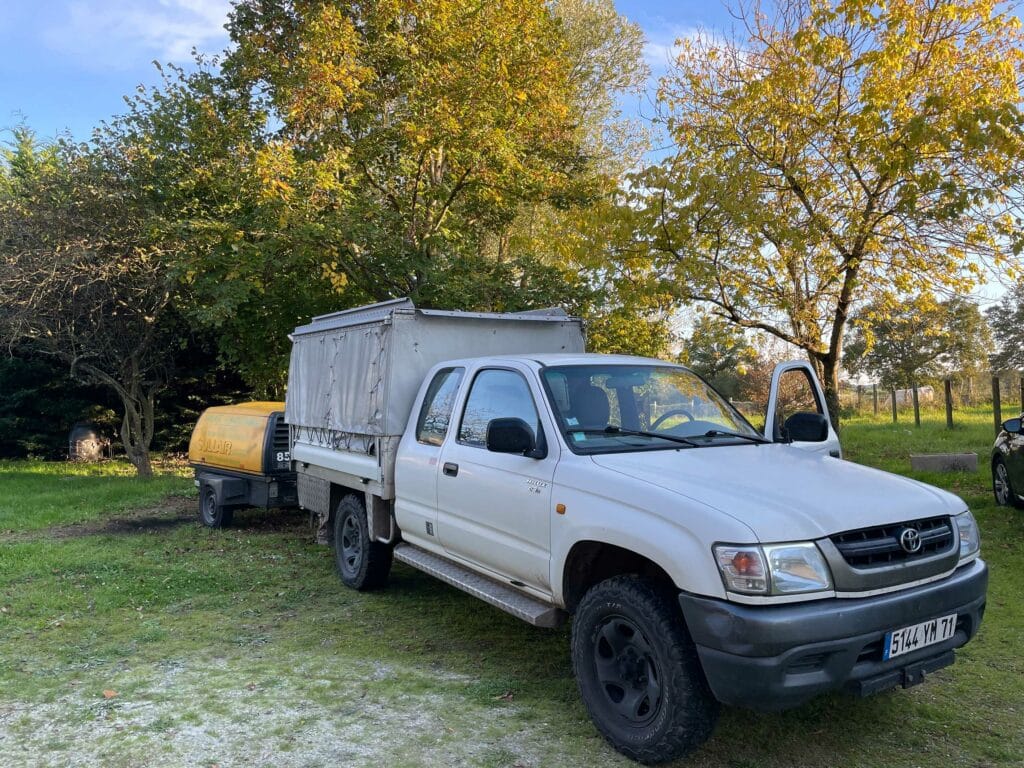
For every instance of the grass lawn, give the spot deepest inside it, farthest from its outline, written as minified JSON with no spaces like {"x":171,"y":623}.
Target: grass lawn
{"x":132,"y":636}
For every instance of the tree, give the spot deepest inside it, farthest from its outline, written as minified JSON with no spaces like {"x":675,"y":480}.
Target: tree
{"x":435,"y":120}
{"x":839,"y":154}
{"x":1007,"y":322}
{"x":235,"y":212}
{"x":79,"y":279}
{"x":720,"y":352}
{"x":921,"y":339}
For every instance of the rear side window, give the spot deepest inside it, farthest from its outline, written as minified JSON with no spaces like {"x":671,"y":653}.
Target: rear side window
{"x":436,"y":413}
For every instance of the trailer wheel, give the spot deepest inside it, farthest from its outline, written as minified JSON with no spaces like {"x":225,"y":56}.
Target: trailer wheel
{"x":363,"y":564}
{"x":212,"y":513}
{"x":638,"y":671}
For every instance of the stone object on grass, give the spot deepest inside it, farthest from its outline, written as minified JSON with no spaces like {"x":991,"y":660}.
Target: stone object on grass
{"x":944,"y":462}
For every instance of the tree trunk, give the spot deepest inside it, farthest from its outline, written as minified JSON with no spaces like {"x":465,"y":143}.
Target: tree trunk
{"x":137,"y":432}
{"x":139,"y":419}
{"x":828,"y":365}
{"x":136,"y":450}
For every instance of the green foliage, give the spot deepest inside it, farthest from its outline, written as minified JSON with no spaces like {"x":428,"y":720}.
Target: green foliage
{"x":919,"y":339}
{"x":838,"y":153}
{"x":427,"y":125}
{"x":1007,"y":322}
{"x":39,"y":404}
{"x":721,"y":353}
{"x":212,"y":177}
{"x":83,"y":277}
{"x":624,"y":331}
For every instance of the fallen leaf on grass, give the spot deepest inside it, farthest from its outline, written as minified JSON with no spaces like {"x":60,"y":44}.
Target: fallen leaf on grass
{"x":506,"y":696}
{"x":109,"y":694}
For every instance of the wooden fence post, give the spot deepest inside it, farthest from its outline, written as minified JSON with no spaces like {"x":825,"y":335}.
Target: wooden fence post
{"x":917,"y":406}
{"x":948,"y":386}
{"x":892,"y":391}
{"x":860,"y":393}
{"x":997,"y":414}
{"x":874,"y":396}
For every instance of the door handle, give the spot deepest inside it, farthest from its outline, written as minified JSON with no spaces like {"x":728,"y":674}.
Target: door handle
{"x":450,"y":468}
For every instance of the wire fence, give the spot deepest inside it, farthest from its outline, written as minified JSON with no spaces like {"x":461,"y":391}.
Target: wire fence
{"x":1000,"y":392}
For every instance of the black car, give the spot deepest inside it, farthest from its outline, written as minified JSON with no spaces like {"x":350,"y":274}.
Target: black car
{"x":1008,"y":465}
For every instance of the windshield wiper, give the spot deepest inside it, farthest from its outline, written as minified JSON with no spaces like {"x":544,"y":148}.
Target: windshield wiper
{"x":723,"y":433}
{"x":613,"y":430}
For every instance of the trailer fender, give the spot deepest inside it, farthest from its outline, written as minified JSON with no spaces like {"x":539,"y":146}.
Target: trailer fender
{"x":229,"y":490}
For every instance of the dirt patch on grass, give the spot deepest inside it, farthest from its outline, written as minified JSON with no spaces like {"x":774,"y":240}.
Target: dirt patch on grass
{"x":172,"y":512}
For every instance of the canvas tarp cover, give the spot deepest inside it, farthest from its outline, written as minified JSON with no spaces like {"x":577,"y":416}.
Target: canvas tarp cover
{"x":337,"y":380}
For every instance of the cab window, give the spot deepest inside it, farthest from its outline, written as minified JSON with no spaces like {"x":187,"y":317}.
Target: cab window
{"x":496,"y":394}
{"x":436,"y":412}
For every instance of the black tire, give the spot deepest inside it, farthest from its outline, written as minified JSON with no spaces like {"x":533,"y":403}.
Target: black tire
{"x":1002,"y":489}
{"x":362,"y":564}
{"x":638,"y":671}
{"x":212,"y":513}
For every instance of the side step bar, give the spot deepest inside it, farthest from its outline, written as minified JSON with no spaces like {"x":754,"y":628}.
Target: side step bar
{"x":510,"y":600}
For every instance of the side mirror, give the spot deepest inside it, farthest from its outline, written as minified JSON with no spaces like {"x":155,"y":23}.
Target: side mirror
{"x":806,"y":428}
{"x":1012,"y":426}
{"x":511,"y":435}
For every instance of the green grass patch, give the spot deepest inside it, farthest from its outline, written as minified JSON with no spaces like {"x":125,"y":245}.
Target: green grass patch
{"x":39,"y":494}
{"x":166,"y":643}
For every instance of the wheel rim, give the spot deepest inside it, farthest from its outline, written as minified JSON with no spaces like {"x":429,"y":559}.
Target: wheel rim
{"x":627,"y":671}
{"x":351,"y":545}
{"x":209,"y":506}
{"x":1001,"y":484}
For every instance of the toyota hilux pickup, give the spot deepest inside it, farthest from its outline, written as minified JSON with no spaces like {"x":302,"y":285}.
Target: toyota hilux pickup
{"x":701,"y":561}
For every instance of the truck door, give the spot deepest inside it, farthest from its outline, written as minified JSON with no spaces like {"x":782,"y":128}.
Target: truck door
{"x":796,"y":404}
{"x":493,"y":509}
{"x":416,"y":467}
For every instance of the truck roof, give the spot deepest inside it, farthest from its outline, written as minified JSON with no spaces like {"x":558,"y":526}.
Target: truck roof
{"x":573,"y":358}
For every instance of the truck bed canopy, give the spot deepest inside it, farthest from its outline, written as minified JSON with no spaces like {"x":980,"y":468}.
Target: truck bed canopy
{"x":358,"y":371}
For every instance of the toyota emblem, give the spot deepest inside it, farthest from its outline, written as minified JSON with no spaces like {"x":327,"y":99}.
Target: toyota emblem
{"x":910,"y":540}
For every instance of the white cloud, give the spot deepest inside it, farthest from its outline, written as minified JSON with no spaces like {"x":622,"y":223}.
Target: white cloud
{"x":121,"y":34}
{"x":662,"y":46}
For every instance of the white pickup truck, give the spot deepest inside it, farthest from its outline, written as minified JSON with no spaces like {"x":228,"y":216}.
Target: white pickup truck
{"x":701,"y":560}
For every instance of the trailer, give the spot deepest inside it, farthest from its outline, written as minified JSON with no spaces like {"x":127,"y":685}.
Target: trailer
{"x":240,"y":457}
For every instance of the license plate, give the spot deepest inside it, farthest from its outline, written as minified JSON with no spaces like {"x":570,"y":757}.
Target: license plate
{"x":908,"y":639}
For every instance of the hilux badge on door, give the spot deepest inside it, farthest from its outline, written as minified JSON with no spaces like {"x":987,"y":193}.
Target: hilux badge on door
{"x":910,"y":540}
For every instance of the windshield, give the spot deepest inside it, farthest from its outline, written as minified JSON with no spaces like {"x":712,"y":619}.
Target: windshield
{"x":614,"y":408}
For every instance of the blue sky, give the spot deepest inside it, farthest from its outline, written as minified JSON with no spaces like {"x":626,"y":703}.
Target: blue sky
{"x":66,"y":65}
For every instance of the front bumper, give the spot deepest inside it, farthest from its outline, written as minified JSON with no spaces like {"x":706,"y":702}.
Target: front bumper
{"x":776,"y":657}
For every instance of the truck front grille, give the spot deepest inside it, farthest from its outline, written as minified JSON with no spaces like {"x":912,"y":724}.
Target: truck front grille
{"x":880,"y":546}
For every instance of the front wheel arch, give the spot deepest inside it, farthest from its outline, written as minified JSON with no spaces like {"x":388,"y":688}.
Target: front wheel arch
{"x":591,"y":562}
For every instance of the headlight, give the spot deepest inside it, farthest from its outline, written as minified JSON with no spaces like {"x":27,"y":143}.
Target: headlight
{"x":797,"y":568}
{"x":970,"y":538}
{"x":776,"y":569}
